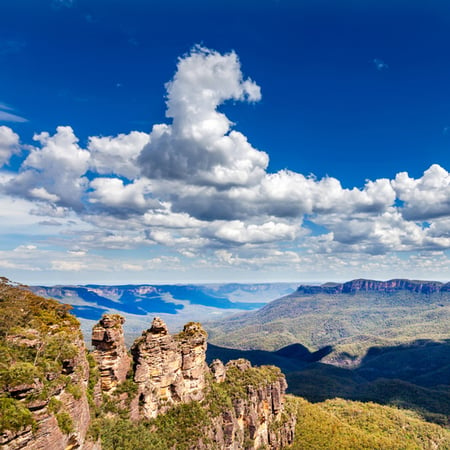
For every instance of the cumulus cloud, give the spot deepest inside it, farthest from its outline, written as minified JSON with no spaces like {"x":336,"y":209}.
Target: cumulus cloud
{"x":122,"y":199}
{"x":9,"y":144}
{"x":117,"y":154}
{"x":197,"y":188}
{"x":240,"y":233}
{"x":54,"y":172}
{"x":427,"y":197}
{"x":284,"y":194}
{"x":199,"y":146}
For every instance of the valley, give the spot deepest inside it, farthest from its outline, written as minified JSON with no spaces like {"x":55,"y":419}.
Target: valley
{"x":367,"y":366}
{"x":176,"y":304}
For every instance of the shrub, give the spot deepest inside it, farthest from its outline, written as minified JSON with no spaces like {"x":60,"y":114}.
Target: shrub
{"x":65,"y":422}
{"x":14,"y":416}
{"x":19,"y":373}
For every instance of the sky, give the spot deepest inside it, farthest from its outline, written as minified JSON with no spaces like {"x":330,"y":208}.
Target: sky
{"x":238,"y":141}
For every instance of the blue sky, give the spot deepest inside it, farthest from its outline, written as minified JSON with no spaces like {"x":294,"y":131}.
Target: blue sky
{"x":295,"y":140}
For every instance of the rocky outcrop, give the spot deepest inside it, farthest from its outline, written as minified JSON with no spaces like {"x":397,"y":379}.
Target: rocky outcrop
{"x":256,"y":418}
{"x":110,"y":352}
{"x":218,"y":370}
{"x":169,"y":369}
{"x":46,"y":383}
{"x":362,"y":285}
{"x":61,"y":414}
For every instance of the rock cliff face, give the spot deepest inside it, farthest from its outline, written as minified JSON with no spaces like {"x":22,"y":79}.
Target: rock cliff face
{"x":169,"y":369}
{"x":44,"y":373}
{"x":257,"y":418}
{"x":362,"y":285}
{"x":110,"y":352}
{"x":46,"y":380}
{"x":61,"y":415}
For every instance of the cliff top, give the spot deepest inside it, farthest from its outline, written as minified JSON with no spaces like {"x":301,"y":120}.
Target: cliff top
{"x":366,"y":285}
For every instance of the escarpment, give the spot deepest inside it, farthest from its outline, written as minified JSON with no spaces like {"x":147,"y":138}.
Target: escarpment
{"x":54,"y":395}
{"x":363,"y":285}
{"x":43,"y":374}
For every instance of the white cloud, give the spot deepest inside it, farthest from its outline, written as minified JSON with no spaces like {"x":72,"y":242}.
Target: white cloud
{"x":117,"y":155}
{"x":69,"y":266}
{"x":9,"y":144}
{"x":6,"y":116}
{"x":196,"y":188}
{"x":42,"y":194}
{"x":199,"y":146}
{"x":427,"y":197}
{"x":121,"y":199}
{"x":283,"y":194}
{"x":238,"y":232}
{"x":54,"y":172}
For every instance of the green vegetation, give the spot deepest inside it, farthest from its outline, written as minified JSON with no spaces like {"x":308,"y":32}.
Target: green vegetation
{"x":35,"y":337}
{"x":36,"y":350}
{"x":65,"y":422}
{"x":183,"y":425}
{"x":94,"y":376}
{"x":346,"y":425}
{"x":389,"y":348}
{"x":414,"y":376}
{"x":351,"y":323}
{"x":54,"y":405}
{"x":14,"y":416}
{"x":191,"y":329}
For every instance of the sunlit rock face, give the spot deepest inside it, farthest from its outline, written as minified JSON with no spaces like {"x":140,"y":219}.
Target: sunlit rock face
{"x":47,"y":433}
{"x":362,"y":285}
{"x":169,"y":369}
{"x":238,"y":406}
{"x":257,"y":418}
{"x":110,"y":352}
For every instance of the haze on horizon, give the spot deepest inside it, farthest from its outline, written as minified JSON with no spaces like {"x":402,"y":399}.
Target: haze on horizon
{"x":288,"y":142}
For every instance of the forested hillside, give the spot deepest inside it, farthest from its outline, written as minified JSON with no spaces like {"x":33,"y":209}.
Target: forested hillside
{"x":54,"y":394}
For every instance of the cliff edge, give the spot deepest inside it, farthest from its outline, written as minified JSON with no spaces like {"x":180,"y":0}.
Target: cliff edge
{"x":54,"y":394}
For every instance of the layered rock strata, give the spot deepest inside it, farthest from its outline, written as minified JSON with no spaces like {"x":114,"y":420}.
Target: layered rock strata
{"x":363,"y":285}
{"x":169,"y":369}
{"x":72,"y":405}
{"x":110,"y":352}
{"x":257,"y":418}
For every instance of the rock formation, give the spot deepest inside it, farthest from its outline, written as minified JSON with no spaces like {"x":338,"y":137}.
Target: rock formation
{"x":362,"y":285}
{"x":169,"y":369}
{"x":72,"y":407}
{"x":110,"y":352}
{"x":256,"y":419}
{"x":44,"y":398}
{"x":218,"y":370}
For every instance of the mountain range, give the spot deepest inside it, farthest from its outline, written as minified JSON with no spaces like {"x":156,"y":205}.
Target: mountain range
{"x":351,"y":317}
{"x":176,"y":304}
{"x":162,"y":394}
{"x":367,"y":340}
